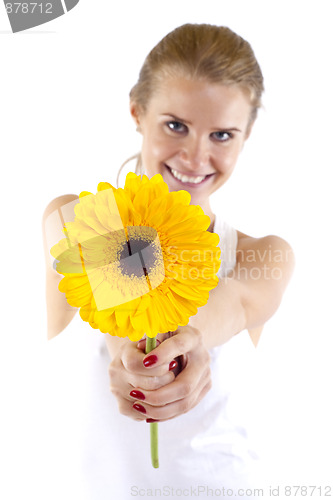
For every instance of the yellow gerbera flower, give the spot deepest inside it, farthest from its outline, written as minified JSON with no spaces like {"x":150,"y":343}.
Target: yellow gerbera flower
{"x":137,"y":260}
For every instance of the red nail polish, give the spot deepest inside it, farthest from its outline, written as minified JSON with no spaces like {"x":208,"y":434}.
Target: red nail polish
{"x":151,"y":420}
{"x":137,"y":395}
{"x":151,"y":360}
{"x":140,"y":408}
{"x":142,"y":343}
{"x":173,"y":365}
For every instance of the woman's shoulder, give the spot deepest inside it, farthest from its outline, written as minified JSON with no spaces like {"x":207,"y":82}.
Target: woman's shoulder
{"x":271,"y":243}
{"x":59,"y":202}
{"x":57,"y":211}
{"x":271,"y":255}
{"x":59,"y":313}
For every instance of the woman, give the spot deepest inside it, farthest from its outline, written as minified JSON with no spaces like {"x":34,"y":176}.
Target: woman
{"x":195,"y":103}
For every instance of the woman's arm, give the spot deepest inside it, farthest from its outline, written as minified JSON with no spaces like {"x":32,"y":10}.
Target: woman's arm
{"x":251,"y":293}
{"x":59,"y":312}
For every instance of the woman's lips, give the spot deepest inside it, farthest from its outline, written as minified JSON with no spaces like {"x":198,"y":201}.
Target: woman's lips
{"x":188,"y":180}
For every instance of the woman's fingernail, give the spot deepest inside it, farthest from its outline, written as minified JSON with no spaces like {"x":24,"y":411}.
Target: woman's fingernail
{"x":151,"y":360}
{"x":139,"y":408}
{"x":137,"y":395}
{"x":173,"y":365}
{"x":142,"y":342}
{"x":151,"y":420}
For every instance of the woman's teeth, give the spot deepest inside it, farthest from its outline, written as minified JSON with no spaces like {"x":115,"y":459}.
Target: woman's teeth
{"x":186,"y":178}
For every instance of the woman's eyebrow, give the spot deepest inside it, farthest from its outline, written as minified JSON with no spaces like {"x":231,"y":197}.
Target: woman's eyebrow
{"x":177,"y":118}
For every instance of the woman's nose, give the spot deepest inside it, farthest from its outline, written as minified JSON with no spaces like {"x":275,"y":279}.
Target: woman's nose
{"x":195,"y":154}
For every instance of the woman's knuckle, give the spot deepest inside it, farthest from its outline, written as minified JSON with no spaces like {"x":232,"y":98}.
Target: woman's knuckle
{"x":207,"y":356}
{"x":180,"y":344}
{"x":202,"y":356}
{"x":156,"y":383}
{"x":197,"y":335}
{"x":112,"y":371}
{"x":129,"y":363}
{"x":185,"y":389}
{"x":115,"y":391}
{"x":150,"y":383}
{"x":186,"y":405}
{"x":206,"y":389}
{"x":123,"y":407}
{"x":111,"y":367}
{"x":208,"y":373}
{"x":153,"y":400}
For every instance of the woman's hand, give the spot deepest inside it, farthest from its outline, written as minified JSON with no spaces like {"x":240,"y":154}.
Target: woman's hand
{"x":165,"y":383}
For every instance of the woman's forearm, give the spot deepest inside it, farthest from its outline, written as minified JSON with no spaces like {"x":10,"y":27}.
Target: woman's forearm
{"x":250,"y":295}
{"x":223,"y":316}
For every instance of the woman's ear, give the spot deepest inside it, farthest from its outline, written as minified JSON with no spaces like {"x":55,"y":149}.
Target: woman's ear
{"x":136,"y":113}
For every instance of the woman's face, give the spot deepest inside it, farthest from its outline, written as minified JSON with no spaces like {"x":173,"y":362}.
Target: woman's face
{"x":193,"y":132}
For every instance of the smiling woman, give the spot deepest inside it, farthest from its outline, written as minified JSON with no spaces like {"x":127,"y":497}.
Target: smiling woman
{"x":195,"y":103}
{"x":198,"y":151}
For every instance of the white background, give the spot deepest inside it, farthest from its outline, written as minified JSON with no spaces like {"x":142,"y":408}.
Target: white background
{"x":65,"y":126}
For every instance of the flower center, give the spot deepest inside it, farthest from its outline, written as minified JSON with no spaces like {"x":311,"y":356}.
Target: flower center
{"x":139,"y":251}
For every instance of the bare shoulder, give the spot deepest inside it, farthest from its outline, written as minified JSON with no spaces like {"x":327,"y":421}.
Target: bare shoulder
{"x":269,"y":250}
{"x":56,"y":213}
{"x":271,"y":254}
{"x":244,"y":240}
{"x":59,"y":313}
{"x":59,"y":202}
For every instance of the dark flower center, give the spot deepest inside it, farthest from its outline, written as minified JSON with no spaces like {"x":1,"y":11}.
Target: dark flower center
{"x":138,"y":254}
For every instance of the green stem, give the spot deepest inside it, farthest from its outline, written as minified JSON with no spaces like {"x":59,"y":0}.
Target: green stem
{"x":150,"y":345}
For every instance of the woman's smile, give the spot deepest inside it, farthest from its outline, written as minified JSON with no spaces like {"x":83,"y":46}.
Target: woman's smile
{"x":188,"y":180}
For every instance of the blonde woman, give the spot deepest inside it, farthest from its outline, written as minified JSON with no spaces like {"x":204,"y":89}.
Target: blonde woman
{"x":195,"y":104}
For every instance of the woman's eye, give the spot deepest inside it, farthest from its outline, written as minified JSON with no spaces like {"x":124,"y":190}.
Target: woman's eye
{"x":222,"y":136}
{"x":176,"y":126}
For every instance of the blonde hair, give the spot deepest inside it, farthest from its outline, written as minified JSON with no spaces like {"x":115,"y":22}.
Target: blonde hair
{"x":201,"y":52}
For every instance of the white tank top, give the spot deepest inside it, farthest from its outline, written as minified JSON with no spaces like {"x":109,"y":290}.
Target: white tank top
{"x":108,"y":454}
